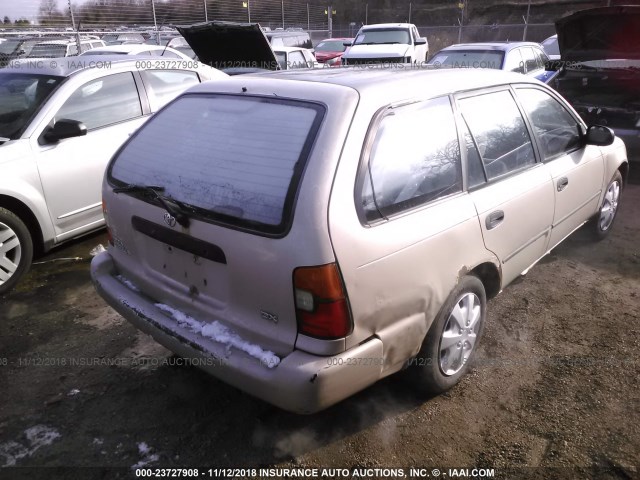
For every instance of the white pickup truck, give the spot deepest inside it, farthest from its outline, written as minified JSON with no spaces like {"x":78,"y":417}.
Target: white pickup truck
{"x":387,"y":43}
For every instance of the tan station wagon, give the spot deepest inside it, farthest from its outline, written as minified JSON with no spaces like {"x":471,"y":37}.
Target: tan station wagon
{"x":301,"y":235}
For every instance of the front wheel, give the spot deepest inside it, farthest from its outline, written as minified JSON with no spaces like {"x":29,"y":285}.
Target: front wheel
{"x":603,"y":221}
{"x":16,"y":250}
{"x":452,"y":339}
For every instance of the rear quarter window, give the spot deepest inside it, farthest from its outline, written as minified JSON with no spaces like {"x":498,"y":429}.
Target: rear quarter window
{"x":234,"y":160}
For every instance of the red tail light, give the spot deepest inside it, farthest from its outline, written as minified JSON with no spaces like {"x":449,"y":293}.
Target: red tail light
{"x":106,"y":219}
{"x":321,"y":304}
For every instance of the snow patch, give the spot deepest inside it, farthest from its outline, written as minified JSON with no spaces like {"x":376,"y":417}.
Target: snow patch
{"x":147,"y":457}
{"x":73,"y":392}
{"x":221,"y":334}
{"x":128,"y":283}
{"x":37,"y":437}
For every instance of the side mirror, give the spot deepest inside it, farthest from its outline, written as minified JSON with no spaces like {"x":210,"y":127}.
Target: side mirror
{"x":64,"y":129}
{"x":347,"y":44}
{"x":421,"y":41}
{"x":600,"y":136}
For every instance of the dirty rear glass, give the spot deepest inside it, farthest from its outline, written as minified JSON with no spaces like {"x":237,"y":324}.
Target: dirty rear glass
{"x":234,"y":159}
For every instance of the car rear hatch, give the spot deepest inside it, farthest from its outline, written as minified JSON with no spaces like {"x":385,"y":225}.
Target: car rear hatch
{"x":224,"y":45}
{"x":236,"y":165}
{"x":600,"y":33}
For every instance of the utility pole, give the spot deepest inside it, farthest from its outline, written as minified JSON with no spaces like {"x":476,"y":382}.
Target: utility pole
{"x":308,"y":19}
{"x":249,"y":10}
{"x":73,"y":24}
{"x":155,"y":21}
{"x":282,"y":9}
{"x":526,"y":22}
{"x":366,"y":14}
{"x":410,"y":11}
{"x":206,"y":16}
{"x":330,"y":20}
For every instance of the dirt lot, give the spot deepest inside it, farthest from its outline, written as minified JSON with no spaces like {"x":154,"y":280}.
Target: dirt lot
{"x":555,"y":384}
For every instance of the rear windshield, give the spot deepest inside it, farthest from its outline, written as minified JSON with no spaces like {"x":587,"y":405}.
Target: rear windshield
{"x":469,"y":58}
{"x":235,"y":160}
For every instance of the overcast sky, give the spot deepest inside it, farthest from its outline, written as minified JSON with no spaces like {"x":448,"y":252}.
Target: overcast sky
{"x":25,"y":8}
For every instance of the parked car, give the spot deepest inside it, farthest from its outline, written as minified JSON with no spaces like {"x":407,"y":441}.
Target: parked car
{"x":387,"y":43}
{"x":139,"y":49}
{"x":522,"y":57}
{"x":122,"y":38}
{"x":308,"y":233}
{"x":329,"y":51}
{"x":550,"y":46}
{"x":294,"y":57}
{"x":17,"y":47}
{"x":600,"y":72}
{"x":58,"y":129}
{"x":62,"y":48}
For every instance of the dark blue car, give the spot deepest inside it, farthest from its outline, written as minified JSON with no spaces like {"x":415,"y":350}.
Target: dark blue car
{"x":523,"y":57}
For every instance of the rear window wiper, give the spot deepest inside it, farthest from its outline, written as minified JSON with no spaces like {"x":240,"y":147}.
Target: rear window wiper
{"x":174,"y":207}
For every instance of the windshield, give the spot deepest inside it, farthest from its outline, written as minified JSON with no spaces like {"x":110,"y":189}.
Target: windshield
{"x":43,"y":50}
{"x":9,"y":46}
{"x":21,"y":95}
{"x":331,"y":46}
{"x":368,"y":37}
{"x":282,"y":59}
{"x":238,"y":160}
{"x":468,"y":59}
{"x":550,"y":46}
{"x":102,"y":52}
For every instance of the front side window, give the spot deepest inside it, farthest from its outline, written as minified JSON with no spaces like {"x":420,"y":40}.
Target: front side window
{"x":468,"y":58}
{"x":21,"y":96}
{"x":165,"y":85}
{"x":499,"y":132}
{"x":555,"y":127}
{"x":414,"y":159}
{"x":297,"y":60}
{"x":529,"y":58}
{"x":236,"y":160}
{"x":104,"y":101}
{"x":514,"y":62}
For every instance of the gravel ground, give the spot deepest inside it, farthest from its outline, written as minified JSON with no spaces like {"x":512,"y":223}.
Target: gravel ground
{"x":555,"y":384}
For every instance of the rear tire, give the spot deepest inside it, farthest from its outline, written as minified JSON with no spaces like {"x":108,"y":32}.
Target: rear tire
{"x":453,"y":338}
{"x":16,"y":250}
{"x":604,"y":219}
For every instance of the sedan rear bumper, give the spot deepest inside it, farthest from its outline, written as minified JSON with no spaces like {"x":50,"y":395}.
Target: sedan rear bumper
{"x":301,"y":382}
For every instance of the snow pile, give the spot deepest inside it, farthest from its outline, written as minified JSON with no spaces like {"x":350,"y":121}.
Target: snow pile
{"x":221,"y":334}
{"x":37,"y":437}
{"x":147,"y":457}
{"x":127,"y":283}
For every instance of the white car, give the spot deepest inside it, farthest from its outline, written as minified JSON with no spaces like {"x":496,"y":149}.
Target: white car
{"x":387,"y":43}
{"x":59,"y":126}
{"x":295,"y":57}
{"x":139,"y":49}
{"x":63,"y":48}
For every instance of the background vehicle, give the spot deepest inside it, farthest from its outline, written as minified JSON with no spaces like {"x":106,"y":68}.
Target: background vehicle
{"x":330,"y":50}
{"x":387,"y":43}
{"x":289,"y":38}
{"x":294,"y":57}
{"x":522,"y":57}
{"x":600,"y":74}
{"x":550,"y":46}
{"x":122,"y":38}
{"x":139,"y":49}
{"x":16,"y":47}
{"x":62,"y":48}
{"x":58,"y":129}
{"x":316,"y":231}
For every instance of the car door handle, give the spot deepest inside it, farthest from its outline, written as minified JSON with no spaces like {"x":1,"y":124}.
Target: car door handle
{"x":562,"y":183}
{"x":494,"y":219}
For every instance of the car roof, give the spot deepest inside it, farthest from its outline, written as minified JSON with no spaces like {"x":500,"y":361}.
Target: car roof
{"x":335,"y":38}
{"x":386,"y":25}
{"x":287,"y":49}
{"x":67,"y":66}
{"x":390,"y":84}
{"x":501,"y":46}
{"x":129,"y":48}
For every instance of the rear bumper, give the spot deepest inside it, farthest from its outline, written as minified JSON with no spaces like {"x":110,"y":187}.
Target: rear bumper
{"x":300,"y":383}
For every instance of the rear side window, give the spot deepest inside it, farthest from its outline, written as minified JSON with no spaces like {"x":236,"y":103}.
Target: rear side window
{"x":235,"y":160}
{"x":499,"y":132}
{"x":414,"y":159}
{"x":165,"y":85}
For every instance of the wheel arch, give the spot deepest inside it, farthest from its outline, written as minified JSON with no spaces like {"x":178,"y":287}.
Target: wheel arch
{"x":25,"y":214}
{"x":490,"y":276}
